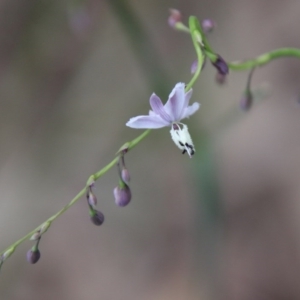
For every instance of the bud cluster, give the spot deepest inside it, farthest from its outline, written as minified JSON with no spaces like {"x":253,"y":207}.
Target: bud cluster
{"x":96,"y":216}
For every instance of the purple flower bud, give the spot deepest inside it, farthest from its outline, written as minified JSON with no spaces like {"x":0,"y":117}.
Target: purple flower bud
{"x":246,"y":101}
{"x":33,"y":256}
{"x":175,"y":17}
{"x":125,"y":176}
{"x":91,"y":198}
{"x":97,"y":217}
{"x":221,"y":65}
{"x":208,"y":25}
{"x":122,"y":195}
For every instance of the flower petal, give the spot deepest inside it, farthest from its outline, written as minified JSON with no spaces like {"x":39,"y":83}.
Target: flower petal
{"x":158,"y":108}
{"x":175,"y":104}
{"x":187,"y":97}
{"x":190,"y":110}
{"x":147,"y":122}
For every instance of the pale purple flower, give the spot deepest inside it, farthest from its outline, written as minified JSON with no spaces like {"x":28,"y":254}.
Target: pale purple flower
{"x":170,"y":114}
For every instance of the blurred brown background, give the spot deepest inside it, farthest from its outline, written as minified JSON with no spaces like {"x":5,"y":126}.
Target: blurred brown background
{"x":223,"y":225}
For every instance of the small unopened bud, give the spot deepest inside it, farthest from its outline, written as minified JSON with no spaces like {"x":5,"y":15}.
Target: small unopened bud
{"x":174,"y":18}
{"x":91,"y":198}
{"x":208,"y":25}
{"x":122,"y":195}
{"x":33,"y":255}
{"x":246,"y":101}
{"x":125,"y":176}
{"x":221,"y":65}
{"x":97,"y":217}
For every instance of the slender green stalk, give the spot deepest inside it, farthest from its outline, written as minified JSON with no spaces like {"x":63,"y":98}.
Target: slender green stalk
{"x":91,"y":179}
{"x":126,"y":147}
{"x":194,"y":35}
{"x":264,"y":59}
{"x":201,"y":45}
{"x":242,"y":65}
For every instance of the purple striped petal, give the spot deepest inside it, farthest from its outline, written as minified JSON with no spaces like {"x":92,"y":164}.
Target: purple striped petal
{"x":158,"y":108}
{"x":147,"y":122}
{"x":175,"y":104}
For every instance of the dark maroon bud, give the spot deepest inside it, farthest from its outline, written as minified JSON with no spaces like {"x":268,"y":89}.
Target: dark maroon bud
{"x":122,"y":195}
{"x":221,"y":65}
{"x":246,"y":101}
{"x":97,"y":217}
{"x":33,"y":255}
{"x":208,"y":25}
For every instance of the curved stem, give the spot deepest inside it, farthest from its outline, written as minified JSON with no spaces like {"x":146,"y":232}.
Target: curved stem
{"x":264,"y":59}
{"x":93,"y":177}
{"x":194,"y":31}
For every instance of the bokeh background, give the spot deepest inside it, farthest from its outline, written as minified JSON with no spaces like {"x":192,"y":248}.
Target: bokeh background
{"x":223,"y":225}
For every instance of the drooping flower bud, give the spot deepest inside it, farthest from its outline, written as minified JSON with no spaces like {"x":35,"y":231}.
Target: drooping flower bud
{"x":33,"y":255}
{"x":221,"y":65}
{"x":97,"y":217}
{"x":122,"y":194}
{"x":208,"y":25}
{"x":174,"y":18}
{"x":246,"y":101}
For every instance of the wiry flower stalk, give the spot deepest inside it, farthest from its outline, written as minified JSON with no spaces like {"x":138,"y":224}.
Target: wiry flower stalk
{"x":168,"y":115}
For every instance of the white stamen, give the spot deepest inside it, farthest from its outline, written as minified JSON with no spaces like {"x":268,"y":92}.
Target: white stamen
{"x":182,"y":138}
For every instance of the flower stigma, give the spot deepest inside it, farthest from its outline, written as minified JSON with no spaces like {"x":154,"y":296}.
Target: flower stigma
{"x":182,"y":139}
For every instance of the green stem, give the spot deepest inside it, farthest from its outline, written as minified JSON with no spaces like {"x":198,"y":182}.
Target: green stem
{"x":193,"y":25}
{"x":264,"y":59}
{"x":92,"y":178}
{"x":126,"y":147}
